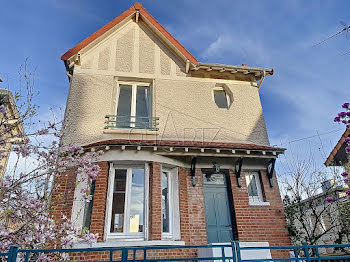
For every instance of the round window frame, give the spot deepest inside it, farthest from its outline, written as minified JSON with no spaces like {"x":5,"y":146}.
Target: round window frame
{"x":228,"y":93}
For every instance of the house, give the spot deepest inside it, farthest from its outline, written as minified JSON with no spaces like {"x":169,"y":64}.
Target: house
{"x":338,"y":156}
{"x":319,"y":219}
{"x":187,"y":157}
{"x":10,"y":127}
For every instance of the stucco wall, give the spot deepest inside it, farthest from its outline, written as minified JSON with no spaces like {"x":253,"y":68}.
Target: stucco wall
{"x":183,"y":103}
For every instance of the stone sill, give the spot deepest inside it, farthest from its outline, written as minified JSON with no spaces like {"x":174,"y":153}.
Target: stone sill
{"x":129,"y":243}
{"x":251,"y":203}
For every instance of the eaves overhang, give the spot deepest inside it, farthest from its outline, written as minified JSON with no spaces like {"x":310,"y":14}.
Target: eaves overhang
{"x":190,"y":148}
{"x":256,"y":71}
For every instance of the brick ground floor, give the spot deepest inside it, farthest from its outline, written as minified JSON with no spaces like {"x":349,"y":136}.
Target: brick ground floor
{"x":113,"y":212}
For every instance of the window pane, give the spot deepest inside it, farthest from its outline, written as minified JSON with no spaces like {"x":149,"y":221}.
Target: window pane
{"x":88,"y":207}
{"x":142,"y":106}
{"x":117,"y":223}
{"x":252,"y":187}
{"x":124,"y":106}
{"x":165,"y":202}
{"x":214,"y":179}
{"x":220,"y":98}
{"x":137,"y":200}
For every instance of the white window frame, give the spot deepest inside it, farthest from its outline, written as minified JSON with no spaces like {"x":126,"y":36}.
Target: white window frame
{"x":170,"y":194}
{"x":228,"y":98}
{"x":174,"y":210}
{"x":134,"y":86}
{"x":126,"y":235}
{"x":260,"y":197}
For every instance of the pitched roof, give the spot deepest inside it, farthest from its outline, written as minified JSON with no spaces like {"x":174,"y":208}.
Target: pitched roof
{"x":136,"y":8}
{"x":337,"y":147}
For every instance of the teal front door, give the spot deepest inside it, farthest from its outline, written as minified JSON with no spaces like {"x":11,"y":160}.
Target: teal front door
{"x":217,"y":208}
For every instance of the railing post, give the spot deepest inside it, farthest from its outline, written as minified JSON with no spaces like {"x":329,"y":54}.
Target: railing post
{"x":234,"y":252}
{"x":125,"y":252}
{"x":12,"y":255}
{"x":317,"y":254}
{"x":223,"y":254}
{"x":238,"y":248}
{"x":296,"y":254}
{"x":306,"y":251}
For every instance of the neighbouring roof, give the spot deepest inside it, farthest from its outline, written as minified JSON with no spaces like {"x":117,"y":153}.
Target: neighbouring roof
{"x":338,"y":153}
{"x":6,"y":98}
{"x":140,"y":11}
{"x":188,"y":144}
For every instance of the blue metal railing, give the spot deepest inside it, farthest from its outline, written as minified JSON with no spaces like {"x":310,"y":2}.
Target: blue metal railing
{"x":233,"y":252}
{"x":138,"y":122}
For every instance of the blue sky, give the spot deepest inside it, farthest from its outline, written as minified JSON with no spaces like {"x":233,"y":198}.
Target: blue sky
{"x":299,"y":100}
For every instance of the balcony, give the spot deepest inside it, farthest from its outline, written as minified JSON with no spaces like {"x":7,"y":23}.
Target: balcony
{"x":136,"y":122}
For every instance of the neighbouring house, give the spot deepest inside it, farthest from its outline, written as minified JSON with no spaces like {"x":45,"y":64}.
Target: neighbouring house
{"x":338,"y":156}
{"x":10,"y":127}
{"x":187,"y":156}
{"x":317,"y":221}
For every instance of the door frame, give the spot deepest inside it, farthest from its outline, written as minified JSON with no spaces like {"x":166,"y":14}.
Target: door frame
{"x":228,"y":186}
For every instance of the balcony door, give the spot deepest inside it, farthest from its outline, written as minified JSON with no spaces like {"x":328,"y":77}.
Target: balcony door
{"x":133,"y":105}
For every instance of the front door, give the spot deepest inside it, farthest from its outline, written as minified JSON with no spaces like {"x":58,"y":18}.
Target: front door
{"x":217,"y":208}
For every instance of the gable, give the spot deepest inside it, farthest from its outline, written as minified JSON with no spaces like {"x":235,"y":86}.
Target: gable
{"x":132,"y":48}
{"x":136,"y":12}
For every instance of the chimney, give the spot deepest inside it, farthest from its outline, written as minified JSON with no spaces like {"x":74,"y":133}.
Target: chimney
{"x":244,"y":64}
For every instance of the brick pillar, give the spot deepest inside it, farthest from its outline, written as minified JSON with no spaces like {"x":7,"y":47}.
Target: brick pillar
{"x":155,"y":202}
{"x":99,"y":202}
{"x":183,"y":206}
{"x":63,"y":195}
{"x":192,"y":209}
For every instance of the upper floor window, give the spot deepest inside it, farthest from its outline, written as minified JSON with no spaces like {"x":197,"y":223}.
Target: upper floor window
{"x":222,"y":97}
{"x":254,"y":187}
{"x":133,"y":105}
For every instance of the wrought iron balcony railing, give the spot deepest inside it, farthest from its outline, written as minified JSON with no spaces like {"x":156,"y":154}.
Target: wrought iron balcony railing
{"x":138,"y":122}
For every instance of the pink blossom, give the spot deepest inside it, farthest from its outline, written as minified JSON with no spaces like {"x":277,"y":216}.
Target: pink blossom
{"x":347,"y":140}
{"x":347,"y":149}
{"x":344,"y":174}
{"x":346,"y":180}
{"x":342,"y":114}
{"x":329,"y":199}
{"x":346,"y":105}
{"x":347,"y":192}
{"x":91,"y":238}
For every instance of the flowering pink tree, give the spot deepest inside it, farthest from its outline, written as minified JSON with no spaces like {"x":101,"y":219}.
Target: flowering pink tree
{"x":38,"y":158}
